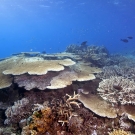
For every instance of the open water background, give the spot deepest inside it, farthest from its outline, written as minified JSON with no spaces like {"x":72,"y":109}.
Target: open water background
{"x":51,"y":25}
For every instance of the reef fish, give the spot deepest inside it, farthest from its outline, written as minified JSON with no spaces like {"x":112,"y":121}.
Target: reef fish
{"x":130,"y":37}
{"x":124,"y":40}
{"x":84,"y":43}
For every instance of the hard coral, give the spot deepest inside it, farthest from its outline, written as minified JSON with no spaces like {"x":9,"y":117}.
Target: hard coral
{"x":117,"y":90}
{"x":37,"y":66}
{"x":97,"y":105}
{"x":98,"y":55}
{"x":64,"y":109}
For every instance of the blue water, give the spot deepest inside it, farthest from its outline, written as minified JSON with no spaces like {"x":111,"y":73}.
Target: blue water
{"x":51,"y":25}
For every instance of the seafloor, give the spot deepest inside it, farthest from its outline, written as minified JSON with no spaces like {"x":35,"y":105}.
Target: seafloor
{"x":82,"y":91}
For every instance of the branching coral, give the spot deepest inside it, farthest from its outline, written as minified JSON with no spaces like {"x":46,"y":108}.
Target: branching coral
{"x":117,"y":90}
{"x":64,"y":108}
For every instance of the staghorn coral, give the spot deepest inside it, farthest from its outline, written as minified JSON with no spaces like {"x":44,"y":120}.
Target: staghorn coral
{"x":65,"y":108}
{"x":117,"y":90}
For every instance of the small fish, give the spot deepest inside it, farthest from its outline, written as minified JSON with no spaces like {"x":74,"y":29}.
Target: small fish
{"x":130,"y":37}
{"x":124,"y":40}
{"x":84,"y":43}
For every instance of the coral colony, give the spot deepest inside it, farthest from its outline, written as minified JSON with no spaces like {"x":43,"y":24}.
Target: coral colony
{"x":82,"y":91}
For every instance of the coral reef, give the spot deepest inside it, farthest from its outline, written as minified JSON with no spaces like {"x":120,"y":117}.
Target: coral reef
{"x":98,"y":55}
{"x":99,"y":107}
{"x":117,"y":90}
